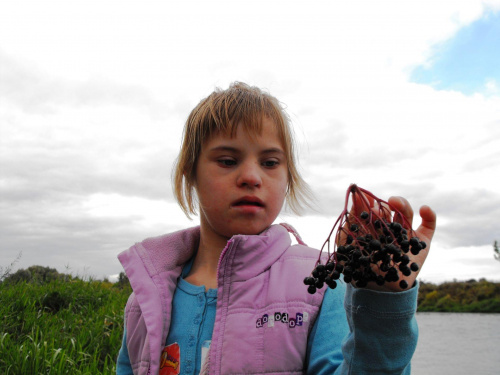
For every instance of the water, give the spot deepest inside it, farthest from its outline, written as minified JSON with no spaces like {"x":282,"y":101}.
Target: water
{"x":456,"y":343}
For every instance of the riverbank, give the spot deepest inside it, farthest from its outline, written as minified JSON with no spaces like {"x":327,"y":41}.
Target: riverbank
{"x":480,"y":296}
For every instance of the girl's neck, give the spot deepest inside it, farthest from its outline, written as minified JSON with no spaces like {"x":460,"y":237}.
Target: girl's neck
{"x":204,"y":268}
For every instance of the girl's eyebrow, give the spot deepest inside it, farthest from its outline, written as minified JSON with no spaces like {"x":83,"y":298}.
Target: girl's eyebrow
{"x":224,"y":148}
{"x":272,"y":150}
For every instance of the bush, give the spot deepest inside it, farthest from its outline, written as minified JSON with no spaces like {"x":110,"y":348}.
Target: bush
{"x":468,"y":296}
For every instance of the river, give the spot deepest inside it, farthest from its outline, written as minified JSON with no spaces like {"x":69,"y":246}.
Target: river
{"x":457,"y":343}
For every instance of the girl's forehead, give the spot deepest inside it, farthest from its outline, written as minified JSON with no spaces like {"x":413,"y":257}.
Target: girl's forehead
{"x":267,"y":130}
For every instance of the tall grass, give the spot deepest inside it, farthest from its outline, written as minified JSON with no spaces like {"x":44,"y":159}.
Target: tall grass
{"x":61,"y":327}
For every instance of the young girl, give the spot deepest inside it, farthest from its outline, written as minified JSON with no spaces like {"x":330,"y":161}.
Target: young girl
{"x":227,"y":296}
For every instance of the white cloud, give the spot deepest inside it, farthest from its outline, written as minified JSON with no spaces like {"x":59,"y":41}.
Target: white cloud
{"x":491,"y":87}
{"x":93,"y":99}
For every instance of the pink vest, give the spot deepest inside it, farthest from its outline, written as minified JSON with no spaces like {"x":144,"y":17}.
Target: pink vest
{"x":264,"y":313}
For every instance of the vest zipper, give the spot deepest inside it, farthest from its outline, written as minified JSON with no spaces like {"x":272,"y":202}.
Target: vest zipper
{"x":206,"y":369}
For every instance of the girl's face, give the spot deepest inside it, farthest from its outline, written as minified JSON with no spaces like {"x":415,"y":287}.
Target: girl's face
{"x":241,"y":182}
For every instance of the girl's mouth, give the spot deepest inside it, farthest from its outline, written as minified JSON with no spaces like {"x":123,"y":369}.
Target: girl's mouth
{"x":248,"y":202}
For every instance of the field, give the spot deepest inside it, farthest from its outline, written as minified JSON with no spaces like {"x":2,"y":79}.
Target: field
{"x":63,"y":326}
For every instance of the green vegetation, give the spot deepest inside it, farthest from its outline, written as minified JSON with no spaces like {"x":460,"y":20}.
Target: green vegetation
{"x":53,"y":323}
{"x":468,"y":296}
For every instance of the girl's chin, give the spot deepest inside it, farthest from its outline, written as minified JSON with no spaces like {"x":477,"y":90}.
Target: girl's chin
{"x":248,"y":230}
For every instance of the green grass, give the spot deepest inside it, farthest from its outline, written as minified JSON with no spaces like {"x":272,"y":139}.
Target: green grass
{"x":60,"y":327}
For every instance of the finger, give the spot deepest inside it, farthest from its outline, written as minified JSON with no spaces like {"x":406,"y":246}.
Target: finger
{"x":428,"y":225}
{"x":404,"y":207}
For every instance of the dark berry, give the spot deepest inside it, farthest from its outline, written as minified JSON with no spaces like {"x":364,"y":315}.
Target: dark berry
{"x":364,"y":215}
{"x":311,"y":289}
{"x":405,"y":270}
{"x":391,"y":248}
{"x":414,"y":241}
{"x":361,"y":239}
{"x":364,"y":261}
{"x":384,"y":267}
{"x":361,"y":283}
{"x":403,"y":284}
{"x":342,"y":257}
{"x":375,"y":245}
{"x":309,"y":280}
{"x":347,"y":271}
{"x":341,"y":250}
{"x":414,"y":267}
{"x":380,"y":280}
{"x":396,"y":227}
{"x":390,"y":277}
{"x":331,"y":283}
{"x":405,"y":259}
{"x":405,"y":245}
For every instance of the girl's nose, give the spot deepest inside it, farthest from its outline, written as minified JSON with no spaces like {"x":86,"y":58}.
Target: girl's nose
{"x":249,"y":176}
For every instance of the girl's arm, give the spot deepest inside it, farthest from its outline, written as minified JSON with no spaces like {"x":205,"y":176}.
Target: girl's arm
{"x":379,"y":335}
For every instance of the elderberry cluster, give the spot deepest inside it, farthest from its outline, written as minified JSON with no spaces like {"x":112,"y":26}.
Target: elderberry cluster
{"x":367,"y":246}
{"x":324,"y":274}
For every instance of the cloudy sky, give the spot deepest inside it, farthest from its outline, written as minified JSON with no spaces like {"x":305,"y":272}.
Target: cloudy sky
{"x":400,"y":97}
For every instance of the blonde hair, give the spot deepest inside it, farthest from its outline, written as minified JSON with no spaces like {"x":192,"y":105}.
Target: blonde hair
{"x":222,"y":112}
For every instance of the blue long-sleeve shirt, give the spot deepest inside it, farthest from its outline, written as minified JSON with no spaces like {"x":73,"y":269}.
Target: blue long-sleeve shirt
{"x":379,"y":335}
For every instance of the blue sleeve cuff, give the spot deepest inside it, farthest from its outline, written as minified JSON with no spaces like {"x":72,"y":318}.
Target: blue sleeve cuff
{"x":383,"y":304}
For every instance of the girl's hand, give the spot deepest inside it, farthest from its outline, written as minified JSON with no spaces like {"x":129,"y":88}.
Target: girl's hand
{"x":424,"y":232}
{"x":375,"y":245}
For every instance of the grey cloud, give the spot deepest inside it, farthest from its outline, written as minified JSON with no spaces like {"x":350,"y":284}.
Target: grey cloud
{"x":468,"y":218}
{"x":465,"y":218}
{"x":87,"y":245}
{"x":27,"y":87}
{"x":483,"y":163}
{"x":336,"y":151}
{"x":41,"y":171}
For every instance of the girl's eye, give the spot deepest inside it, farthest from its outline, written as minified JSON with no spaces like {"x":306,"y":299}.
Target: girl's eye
{"x":270,"y":163}
{"x":227,"y":162}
